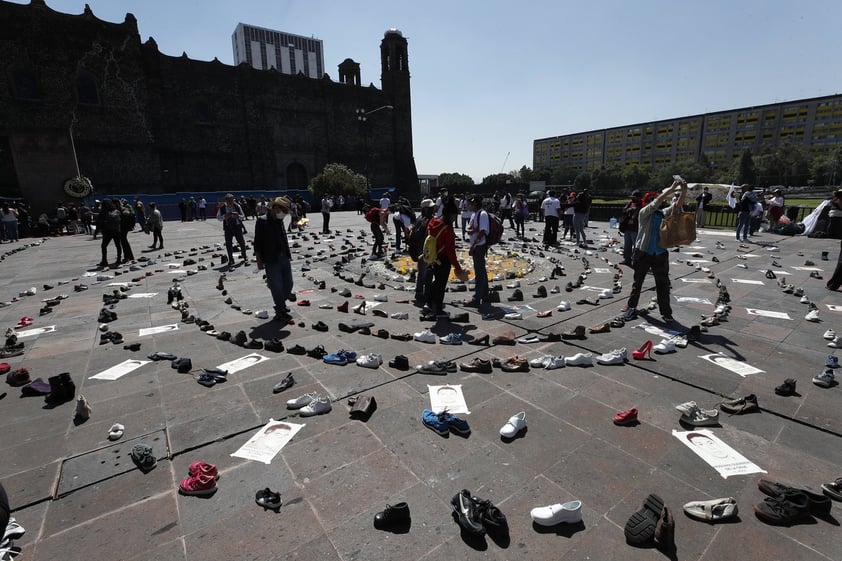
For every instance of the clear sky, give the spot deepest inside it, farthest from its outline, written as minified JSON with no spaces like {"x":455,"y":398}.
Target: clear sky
{"x":489,"y":77}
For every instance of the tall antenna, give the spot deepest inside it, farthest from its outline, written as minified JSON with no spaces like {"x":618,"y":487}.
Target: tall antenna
{"x":506,"y":159}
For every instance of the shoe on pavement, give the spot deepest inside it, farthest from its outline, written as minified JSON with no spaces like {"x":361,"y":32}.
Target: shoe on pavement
{"x":466,"y":513}
{"x":372,"y":360}
{"x":514,"y":425}
{"x":425,"y":336}
{"x":579,"y":359}
{"x":829,"y":335}
{"x":617,"y":356}
{"x":833,"y":490}
{"x":555,"y":363}
{"x":741,"y":405}
{"x":713,"y":510}
{"x":627,"y":417}
{"x":700,"y":418}
{"x":832,"y":361}
{"x":268,"y":499}
{"x":393,"y":515}
{"x":787,"y":388}
{"x":454,"y":338}
{"x":563,"y":513}
{"x":478,"y":365}
{"x":784,"y":510}
{"x":199,"y":485}
{"x":436,"y":422}
{"x":666,"y":346}
{"x":825,"y":378}
{"x":640,"y":527}
{"x":284,"y":384}
{"x":318,"y":406}
{"x":817,"y":502}
{"x":301,"y":401}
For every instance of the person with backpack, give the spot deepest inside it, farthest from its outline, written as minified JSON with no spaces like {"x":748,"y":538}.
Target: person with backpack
{"x":127,"y":222}
{"x":478,"y":228}
{"x":745,"y":207}
{"x":372,"y":215}
{"x":108,"y":222}
{"x":416,"y":243}
{"x":440,"y":255}
{"x":231,"y":215}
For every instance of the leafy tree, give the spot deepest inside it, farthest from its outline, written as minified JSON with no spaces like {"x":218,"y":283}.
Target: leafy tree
{"x":338,"y":178}
{"x":636,"y":176}
{"x":747,"y":171}
{"x":448,"y":180}
{"x":826,"y":169}
{"x":543,"y":174}
{"x":498,"y":179}
{"x":563,"y":176}
{"x":582,"y":181}
{"x":524,"y":175}
{"x":608,"y":179}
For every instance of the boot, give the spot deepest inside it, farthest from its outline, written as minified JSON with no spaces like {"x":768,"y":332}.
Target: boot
{"x":62,"y":390}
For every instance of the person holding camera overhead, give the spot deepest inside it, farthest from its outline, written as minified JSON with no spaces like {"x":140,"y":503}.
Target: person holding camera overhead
{"x":648,"y":253}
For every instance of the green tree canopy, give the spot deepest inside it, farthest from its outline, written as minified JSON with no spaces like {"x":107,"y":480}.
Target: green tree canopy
{"x":747,"y":172}
{"x":582,"y":181}
{"x":338,"y":178}
{"x":636,"y":176}
{"x":498,"y":179}
{"x":449,"y":180}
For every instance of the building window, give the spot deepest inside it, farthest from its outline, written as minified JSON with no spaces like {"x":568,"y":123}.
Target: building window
{"x":86,"y":90}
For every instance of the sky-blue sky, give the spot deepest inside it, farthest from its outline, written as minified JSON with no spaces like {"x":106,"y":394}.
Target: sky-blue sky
{"x":489,"y":77}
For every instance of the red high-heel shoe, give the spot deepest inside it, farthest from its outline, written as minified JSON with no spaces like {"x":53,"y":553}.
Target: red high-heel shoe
{"x":644,"y":351}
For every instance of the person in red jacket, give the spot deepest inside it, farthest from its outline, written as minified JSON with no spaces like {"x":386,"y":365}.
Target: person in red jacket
{"x":442,"y":228}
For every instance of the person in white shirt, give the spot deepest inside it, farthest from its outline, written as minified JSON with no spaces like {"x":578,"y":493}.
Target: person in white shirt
{"x":506,"y":203}
{"x":551,"y":207}
{"x":203,"y":206}
{"x":440,"y":203}
{"x":478,"y":228}
{"x":465,"y":209}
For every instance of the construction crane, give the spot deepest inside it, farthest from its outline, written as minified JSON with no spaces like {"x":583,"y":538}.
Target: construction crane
{"x":506,"y":159}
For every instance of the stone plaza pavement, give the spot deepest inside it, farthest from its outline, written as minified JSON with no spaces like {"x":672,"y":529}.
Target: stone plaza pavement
{"x":80,"y":497}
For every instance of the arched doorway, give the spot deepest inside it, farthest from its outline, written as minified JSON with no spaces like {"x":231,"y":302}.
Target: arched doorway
{"x":296,"y":176}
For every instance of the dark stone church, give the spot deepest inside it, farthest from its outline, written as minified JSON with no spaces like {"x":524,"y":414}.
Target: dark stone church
{"x":79,"y":91}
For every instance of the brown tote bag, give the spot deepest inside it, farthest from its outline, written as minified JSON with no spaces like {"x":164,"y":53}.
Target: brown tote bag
{"x":679,"y":228}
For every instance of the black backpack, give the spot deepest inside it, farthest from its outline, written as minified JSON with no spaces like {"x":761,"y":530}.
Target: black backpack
{"x":417,"y":235}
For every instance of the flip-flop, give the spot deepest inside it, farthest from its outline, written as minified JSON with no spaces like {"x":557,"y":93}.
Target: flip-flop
{"x":25,"y":321}
{"x":116,"y":431}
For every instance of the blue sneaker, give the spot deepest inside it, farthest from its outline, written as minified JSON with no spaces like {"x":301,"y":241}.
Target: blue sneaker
{"x":454,"y":338}
{"x":459,"y":426}
{"x":340,"y":358}
{"x":436,"y":422}
{"x":832,"y":361}
{"x":628,"y":314}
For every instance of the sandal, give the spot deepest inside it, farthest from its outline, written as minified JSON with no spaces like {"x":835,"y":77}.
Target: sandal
{"x":143,"y":457}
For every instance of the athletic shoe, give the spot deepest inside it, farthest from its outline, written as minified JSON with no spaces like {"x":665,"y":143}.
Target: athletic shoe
{"x":664,"y":347}
{"x":825,"y":379}
{"x":514,"y":425}
{"x":203,"y":468}
{"x":197,"y":485}
{"x":340,"y":358}
{"x":436,"y":422}
{"x":617,"y":356}
{"x":626,"y":417}
{"x":454,"y":338}
{"x":541,"y":361}
{"x":829,"y":335}
{"x":319,"y":406}
{"x":699,"y":418}
{"x":579,"y":359}
{"x":713,"y":510}
{"x":302,"y":400}
{"x":372,"y":360}
{"x":832,"y":361}
{"x":425,"y":336}
{"x":785,"y":509}
{"x":555,"y":363}
{"x":466,"y":513}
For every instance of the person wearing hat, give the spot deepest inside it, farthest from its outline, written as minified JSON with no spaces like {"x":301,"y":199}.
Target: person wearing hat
{"x":439,"y":271}
{"x":775,"y":204}
{"x":271,"y":250}
{"x":154,"y":225}
{"x":628,"y":226}
{"x":649,"y":255}
{"x":702,"y":206}
{"x":231,"y":215}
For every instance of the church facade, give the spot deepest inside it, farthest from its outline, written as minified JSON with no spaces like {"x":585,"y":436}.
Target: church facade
{"x":80,"y":93}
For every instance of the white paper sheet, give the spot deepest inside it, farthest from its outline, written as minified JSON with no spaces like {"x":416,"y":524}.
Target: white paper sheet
{"x":155,"y":330}
{"x":716,"y":453}
{"x":735,"y":366}
{"x":242,"y":363}
{"x":120,"y":370}
{"x":448,"y":398}
{"x":767,"y":313}
{"x":268,"y":441}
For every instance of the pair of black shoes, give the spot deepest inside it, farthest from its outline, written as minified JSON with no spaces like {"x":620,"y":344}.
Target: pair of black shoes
{"x":477,"y":516}
{"x":787,"y":505}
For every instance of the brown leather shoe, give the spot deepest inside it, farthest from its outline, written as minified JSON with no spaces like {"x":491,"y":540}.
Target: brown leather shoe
{"x":601,"y":328}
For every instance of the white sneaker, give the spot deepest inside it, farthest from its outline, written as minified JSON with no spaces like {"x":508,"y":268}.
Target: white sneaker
{"x":301,"y":400}
{"x":261,"y":314}
{"x":318,"y":406}
{"x":563,"y":306}
{"x":835,"y":343}
{"x":514,"y":425}
{"x":540,"y":362}
{"x":825,"y":379}
{"x":515,"y":284}
{"x":400,"y":315}
{"x":812,"y":315}
{"x":617,"y":356}
{"x":372,"y":360}
{"x":568,"y":513}
{"x":680,"y":341}
{"x":425,"y":336}
{"x":686,"y":407}
{"x":579,"y":359}
{"x":513,"y":315}
{"x":555,"y":290}
{"x":381,"y":298}
{"x":829,"y":335}
{"x":556,"y":362}
{"x":664,"y":347}
{"x":605,"y":294}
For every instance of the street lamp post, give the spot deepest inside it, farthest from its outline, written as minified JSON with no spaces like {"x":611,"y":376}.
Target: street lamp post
{"x":362,"y":117}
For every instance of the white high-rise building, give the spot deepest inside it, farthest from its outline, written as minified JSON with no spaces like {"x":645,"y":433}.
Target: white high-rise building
{"x":266,"y":48}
